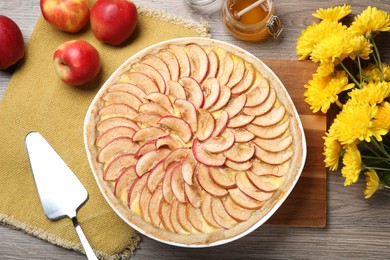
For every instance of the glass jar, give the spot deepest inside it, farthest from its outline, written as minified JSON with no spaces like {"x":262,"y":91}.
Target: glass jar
{"x":255,"y":24}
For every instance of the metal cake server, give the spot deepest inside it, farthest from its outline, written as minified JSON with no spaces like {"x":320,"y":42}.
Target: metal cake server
{"x":59,"y":190}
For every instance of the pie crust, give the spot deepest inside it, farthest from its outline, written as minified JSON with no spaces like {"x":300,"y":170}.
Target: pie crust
{"x":194,"y":142}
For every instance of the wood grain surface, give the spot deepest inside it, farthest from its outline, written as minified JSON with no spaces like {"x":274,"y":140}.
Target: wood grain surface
{"x":356,"y":228}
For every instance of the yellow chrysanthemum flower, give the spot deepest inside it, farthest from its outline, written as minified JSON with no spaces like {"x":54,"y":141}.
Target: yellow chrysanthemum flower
{"x":333,"y":13}
{"x":334,"y":48}
{"x":382,"y":119}
{"x":332,"y":149}
{"x":352,"y":165}
{"x":372,"y":183}
{"x":354,"y":122}
{"x":372,"y":73}
{"x":314,"y":34}
{"x":371,"y":93}
{"x":321,"y":92}
{"x":325,"y":69}
{"x":369,"y":21}
{"x":361,"y":47}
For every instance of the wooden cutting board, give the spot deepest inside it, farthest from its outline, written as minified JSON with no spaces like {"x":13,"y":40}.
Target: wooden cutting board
{"x":306,"y":205}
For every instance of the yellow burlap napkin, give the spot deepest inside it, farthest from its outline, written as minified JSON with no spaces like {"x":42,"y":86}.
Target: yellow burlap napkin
{"x":37,"y":100}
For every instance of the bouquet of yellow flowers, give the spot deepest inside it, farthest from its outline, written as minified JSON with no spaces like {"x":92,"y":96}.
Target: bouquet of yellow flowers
{"x":352,"y":76}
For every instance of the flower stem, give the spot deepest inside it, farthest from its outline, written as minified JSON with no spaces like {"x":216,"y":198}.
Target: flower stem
{"x":377,"y":58}
{"x":350,"y":75}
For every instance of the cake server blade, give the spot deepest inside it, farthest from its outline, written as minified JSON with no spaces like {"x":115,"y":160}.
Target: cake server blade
{"x":60,"y":192}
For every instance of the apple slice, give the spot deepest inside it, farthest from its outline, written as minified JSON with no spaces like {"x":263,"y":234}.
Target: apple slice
{"x":140,"y":80}
{"x":224,"y":179}
{"x":211,"y":89}
{"x":219,"y":144}
{"x":146,"y":147}
{"x":244,"y":184}
{"x":193,"y":91}
{"x":204,"y":180}
{"x":171,"y":61}
{"x":188,"y":112}
{"x":265,"y":183}
{"x":154,"y":208}
{"x":262,"y":168}
{"x":173,"y":215}
{"x":206,"y":124}
{"x":117,"y":131}
{"x":205,"y":209}
{"x":159,"y":65}
{"x":225,"y":70}
{"x":149,"y":160}
{"x":153,"y":108}
{"x":118,"y":110}
{"x":213,"y":64}
{"x":116,"y":147}
{"x":164,"y":213}
{"x":240,"y":121}
{"x":273,"y":158}
{"x":129,"y":88}
{"x":182,"y":217}
{"x":177,"y":155}
{"x":264,"y":107}
{"x":155,"y":177}
{"x":243,"y":200}
{"x":162,"y":100}
{"x":134,"y":195}
{"x":148,"y":133}
{"x":199,"y":62}
{"x":112,"y":122}
{"x":147,"y":119}
{"x":193,"y":195}
{"x":220,"y":124}
{"x":240,"y":152}
{"x":124,"y":181}
{"x":144,"y":200}
{"x":206,"y":158}
{"x":151,"y":73}
{"x":246,"y":81}
{"x":237,"y":73}
{"x":256,"y":96}
{"x":220,"y":215}
{"x":235,"y":105}
{"x":274,"y":145}
{"x":188,"y":168}
{"x":223,"y":99}
{"x":169,"y":141}
{"x":238,"y":166}
{"x":182,"y":59}
{"x":242,"y":135}
{"x":195,"y":217}
{"x":175,"y":90}
{"x":178,"y":126}
{"x":177,"y":184}
{"x":116,"y":166}
{"x":122,"y":98}
{"x":236,"y":212}
{"x":166,"y":184}
{"x":274,"y":116}
{"x":269,"y":132}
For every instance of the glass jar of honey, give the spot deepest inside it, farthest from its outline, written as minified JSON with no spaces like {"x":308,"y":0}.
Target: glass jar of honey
{"x":253,"y":25}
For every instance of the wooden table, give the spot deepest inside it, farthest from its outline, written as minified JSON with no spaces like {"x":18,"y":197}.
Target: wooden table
{"x":356,"y":228}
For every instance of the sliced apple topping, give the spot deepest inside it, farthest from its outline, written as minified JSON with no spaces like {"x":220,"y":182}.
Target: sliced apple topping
{"x":195,"y":217}
{"x":115,"y":167}
{"x":116,"y":147}
{"x":118,"y":110}
{"x":110,"y":134}
{"x":155,"y":176}
{"x":164,"y":214}
{"x":193,"y":195}
{"x":140,"y":80}
{"x":206,"y":124}
{"x":162,"y":100}
{"x":235,"y":105}
{"x":264,"y":107}
{"x":168,"y":141}
{"x":188,"y":168}
{"x":147,"y":119}
{"x":274,"y":145}
{"x":118,"y":97}
{"x":178,"y":126}
{"x":244,"y":185}
{"x":220,"y":143}
{"x":183,"y":60}
{"x":175,"y":90}
{"x":244,"y":201}
{"x":240,"y":152}
{"x":237,"y":73}
{"x":271,"y":118}
{"x":206,"y":211}
{"x":124,"y":181}
{"x":149,"y":160}
{"x":177,"y":155}
{"x":246,"y":81}
{"x":240,"y":121}
{"x":199,"y":62}
{"x":151,"y":73}
{"x":154,"y":208}
{"x":221,"y":123}
{"x":223,"y":99}
{"x":148,"y":133}
{"x":187,"y":112}
{"x":204,"y":180}
{"x":225,"y":70}
{"x":213,"y":64}
{"x":154,"y":109}
{"x":177,"y":184}
{"x":224,"y":179}
{"x":171,"y":62}
{"x":206,"y":158}
{"x":193,"y":91}
{"x":211,"y":89}
{"x":257,"y":96}
{"x":265,"y":183}
{"x":273,"y":158}
{"x":111,"y":122}
{"x":174,"y":219}
{"x":129,"y":88}
{"x":236,"y":212}
{"x":269,"y":132}
{"x":159,"y":65}
{"x":146,"y":147}
{"x":183,"y":217}
{"x":238,"y":166}
{"x":242,"y":135}
{"x":166,"y":184}
{"x":220,"y":215}
{"x":144,"y":200}
{"x":134,"y":195}
{"x":262,"y":168}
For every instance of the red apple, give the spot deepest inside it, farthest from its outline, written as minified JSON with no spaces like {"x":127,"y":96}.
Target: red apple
{"x":11,"y":42}
{"x":113,"y":21}
{"x":76,"y":62}
{"x":66,"y":15}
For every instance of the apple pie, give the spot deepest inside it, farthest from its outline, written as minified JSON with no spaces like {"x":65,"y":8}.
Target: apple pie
{"x":194,"y":142}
